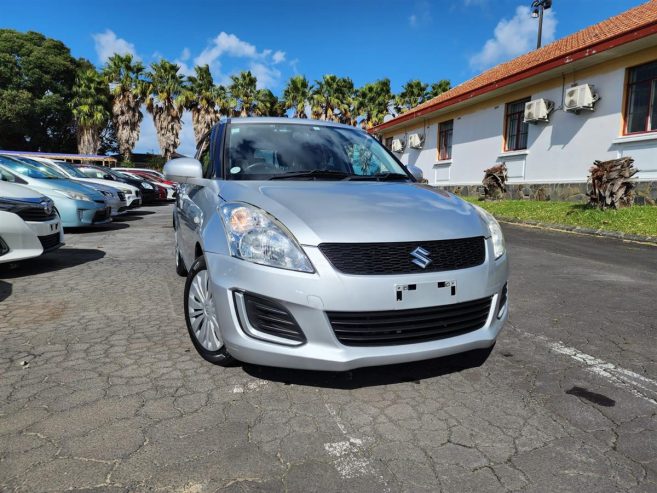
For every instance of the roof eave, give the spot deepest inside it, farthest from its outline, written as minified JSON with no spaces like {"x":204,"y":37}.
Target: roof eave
{"x":565,"y":59}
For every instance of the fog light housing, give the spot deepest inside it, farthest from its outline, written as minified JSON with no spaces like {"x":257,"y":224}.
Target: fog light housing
{"x":266,"y":319}
{"x":501,"y":304}
{"x":4,"y":249}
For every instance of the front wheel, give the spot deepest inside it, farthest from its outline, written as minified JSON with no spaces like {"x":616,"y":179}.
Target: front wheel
{"x":201,"y":317}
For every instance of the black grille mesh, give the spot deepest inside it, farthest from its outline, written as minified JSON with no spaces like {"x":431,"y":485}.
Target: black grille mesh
{"x":387,"y":328}
{"x":36,"y":214}
{"x":49,"y":241}
{"x":272,"y":318}
{"x":395,"y":258}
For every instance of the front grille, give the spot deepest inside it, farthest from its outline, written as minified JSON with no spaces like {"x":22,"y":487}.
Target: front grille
{"x":394,"y":327}
{"x":102,"y":215}
{"x":272,"y":318}
{"x":49,"y":241}
{"x":36,"y":214}
{"x":395,"y":258}
{"x":121,"y":196}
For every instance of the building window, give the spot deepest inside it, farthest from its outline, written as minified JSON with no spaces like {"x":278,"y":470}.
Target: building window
{"x":445,"y":130}
{"x":515,"y":129}
{"x":388,"y":143}
{"x":641,"y":112}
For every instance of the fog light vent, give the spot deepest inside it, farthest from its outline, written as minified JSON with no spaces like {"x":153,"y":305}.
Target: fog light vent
{"x":3,"y":247}
{"x":272,"y":318}
{"x":502,"y":303}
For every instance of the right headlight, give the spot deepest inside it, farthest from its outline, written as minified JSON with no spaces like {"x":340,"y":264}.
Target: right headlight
{"x":74,"y":195}
{"x":256,"y":236}
{"x":147,"y":185}
{"x":495,"y":231}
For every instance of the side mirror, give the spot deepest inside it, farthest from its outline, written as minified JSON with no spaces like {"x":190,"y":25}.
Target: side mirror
{"x":416,"y":172}
{"x":183,"y":170}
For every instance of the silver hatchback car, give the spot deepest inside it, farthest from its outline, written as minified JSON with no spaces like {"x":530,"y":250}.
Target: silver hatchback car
{"x":307,"y":244}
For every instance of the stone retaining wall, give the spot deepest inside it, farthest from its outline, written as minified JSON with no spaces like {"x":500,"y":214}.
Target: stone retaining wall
{"x":645,"y":193}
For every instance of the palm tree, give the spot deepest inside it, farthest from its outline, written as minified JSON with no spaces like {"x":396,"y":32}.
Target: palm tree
{"x":296,"y":95}
{"x":243,"y":89}
{"x":268,"y":104}
{"x":325,"y":96}
{"x":163,"y":101}
{"x":89,"y":104}
{"x":437,"y":88}
{"x":345,"y":96}
{"x":373,"y":101}
{"x":414,"y":92}
{"x":226,"y":103}
{"x":126,"y":87}
{"x":200,"y":97}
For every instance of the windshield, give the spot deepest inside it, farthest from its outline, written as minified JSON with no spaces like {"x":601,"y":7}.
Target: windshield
{"x":262,"y":151}
{"x":45,"y":168}
{"x":26,"y":169}
{"x":71,"y":170}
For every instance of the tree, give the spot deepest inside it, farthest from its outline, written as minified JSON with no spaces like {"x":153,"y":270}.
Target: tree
{"x":326,"y":97}
{"x":36,"y":79}
{"x":200,"y":97}
{"x":243,"y":89}
{"x":124,"y":76}
{"x":226,"y":103}
{"x":163,"y":101}
{"x":296,"y":95}
{"x":437,"y":88}
{"x":346,"y":98}
{"x":268,"y":104}
{"x":89,"y":104}
{"x":414,"y":92}
{"x":373,"y":100}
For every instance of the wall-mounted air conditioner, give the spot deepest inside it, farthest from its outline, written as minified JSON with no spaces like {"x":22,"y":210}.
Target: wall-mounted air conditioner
{"x":416,"y":141}
{"x":580,"y":98}
{"x":538,"y":110}
{"x":397,"y":145}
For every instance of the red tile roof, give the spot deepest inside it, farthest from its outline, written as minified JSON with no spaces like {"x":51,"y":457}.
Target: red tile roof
{"x":628,"y":26}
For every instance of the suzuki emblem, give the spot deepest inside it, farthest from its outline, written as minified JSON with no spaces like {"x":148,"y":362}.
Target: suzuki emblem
{"x":421,"y":257}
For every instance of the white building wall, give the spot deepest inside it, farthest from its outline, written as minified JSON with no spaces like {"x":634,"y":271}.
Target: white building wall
{"x":561,"y":150}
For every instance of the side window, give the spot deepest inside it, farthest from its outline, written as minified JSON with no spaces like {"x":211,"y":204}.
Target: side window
{"x":203,"y":154}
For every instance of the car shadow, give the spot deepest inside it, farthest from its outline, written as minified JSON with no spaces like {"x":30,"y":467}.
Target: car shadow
{"x":5,"y":290}
{"x":49,"y":262}
{"x":138,"y":212}
{"x":372,"y":376}
{"x":127,"y":218}
{"x":99,"y":228}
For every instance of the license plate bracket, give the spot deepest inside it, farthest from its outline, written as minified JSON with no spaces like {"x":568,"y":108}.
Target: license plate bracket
{"x":426,"y":293}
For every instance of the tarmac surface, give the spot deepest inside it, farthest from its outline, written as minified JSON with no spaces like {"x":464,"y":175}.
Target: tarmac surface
{"x":102,"y":390}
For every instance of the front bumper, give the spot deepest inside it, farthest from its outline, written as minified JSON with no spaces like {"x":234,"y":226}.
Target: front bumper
{"x":309,"y":296}
{"x":80,"y":213}
{"x":27,"y":239}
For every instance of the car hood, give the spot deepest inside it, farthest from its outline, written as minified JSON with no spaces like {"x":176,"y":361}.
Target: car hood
{"x":360,"y":212}
{"x":114,"y":185}
{"x":64,"y":185}
{"x":17,"y":192}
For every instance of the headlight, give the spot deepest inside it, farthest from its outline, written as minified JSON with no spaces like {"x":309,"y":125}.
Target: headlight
{"x":106,"y":193}
{"x":256,"y":236}
{"x":74,"y":195}
{"x":495,"y":232}
{"x":147,"y":186}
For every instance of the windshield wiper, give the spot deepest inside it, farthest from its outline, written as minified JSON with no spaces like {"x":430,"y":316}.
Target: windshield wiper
{"x":379,"y":177}
{"x":315,"y":173}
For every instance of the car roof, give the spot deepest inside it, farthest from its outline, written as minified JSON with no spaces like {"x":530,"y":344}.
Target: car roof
{"x":296,"y":121}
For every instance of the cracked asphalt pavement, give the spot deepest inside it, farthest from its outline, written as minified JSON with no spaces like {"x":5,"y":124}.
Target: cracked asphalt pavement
{"x":101,"y":389}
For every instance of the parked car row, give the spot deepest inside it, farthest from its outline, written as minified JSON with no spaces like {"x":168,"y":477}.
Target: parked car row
{"x":41,"y":197}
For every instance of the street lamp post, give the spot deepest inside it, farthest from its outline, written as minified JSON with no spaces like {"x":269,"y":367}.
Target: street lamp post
{"x":538,"y":7}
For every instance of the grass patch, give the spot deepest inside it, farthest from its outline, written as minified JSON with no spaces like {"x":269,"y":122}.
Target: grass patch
{"x":638,"y":220}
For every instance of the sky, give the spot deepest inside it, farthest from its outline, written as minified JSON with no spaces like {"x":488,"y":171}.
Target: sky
{"x":276,"y":39}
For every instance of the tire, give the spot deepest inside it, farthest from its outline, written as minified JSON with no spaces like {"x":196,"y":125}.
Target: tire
{"x":200,"y":317}
{"x":180,"y":265}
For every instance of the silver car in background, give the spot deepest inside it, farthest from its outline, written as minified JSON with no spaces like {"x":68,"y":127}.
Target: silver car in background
{"x":306,"y":244}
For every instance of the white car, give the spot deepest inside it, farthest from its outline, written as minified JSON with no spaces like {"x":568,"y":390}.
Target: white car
{"x":171,"y":190}
{"x":29,"y":223}
{"x":131,"y":194}
{"x":148,"y":170}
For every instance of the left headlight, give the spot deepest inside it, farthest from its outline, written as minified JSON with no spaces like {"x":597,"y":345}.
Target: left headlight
{"x":147,"y":185}
{"x":495,"y":231}
{"x":75,"y":195}
{"x":256,"y":236}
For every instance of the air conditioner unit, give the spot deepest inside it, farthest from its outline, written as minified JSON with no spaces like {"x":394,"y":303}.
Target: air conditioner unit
{"x":538,"y":110}
{"x":397,"y":145}
{"x":416,"y":141}
{"x":580,"y":98}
